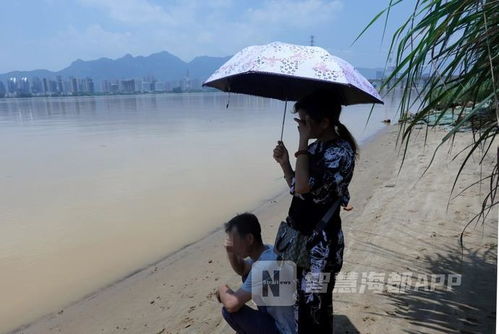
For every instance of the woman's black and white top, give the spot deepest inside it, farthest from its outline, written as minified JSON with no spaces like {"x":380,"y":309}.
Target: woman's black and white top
{"x":331,"y":165}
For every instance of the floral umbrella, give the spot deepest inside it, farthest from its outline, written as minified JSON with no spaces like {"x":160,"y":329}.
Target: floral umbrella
{"x":288,"y":72}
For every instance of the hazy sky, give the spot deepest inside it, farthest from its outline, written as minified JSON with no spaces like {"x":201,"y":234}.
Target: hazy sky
{"x":50,"y":34}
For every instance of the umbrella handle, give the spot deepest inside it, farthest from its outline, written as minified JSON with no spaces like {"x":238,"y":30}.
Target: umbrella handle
{"x":284,"y":117}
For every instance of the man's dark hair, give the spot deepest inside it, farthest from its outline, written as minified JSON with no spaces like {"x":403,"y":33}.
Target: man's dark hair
{"x":245,"y":223}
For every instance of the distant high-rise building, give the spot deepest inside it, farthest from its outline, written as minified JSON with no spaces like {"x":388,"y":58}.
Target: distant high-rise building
{"x":147,"y":86}
{"x":127,"y":86}
{"x":90,"y":86}
{"x":2,"y":90}
{"x":74,"y":86}
{"x":45,"y":85}
{"x":82,"y":86}
{"x":159,"y":86}
{"x":106,"y":86}
{"x":60,"y":87}
{"x":24,"y":88}
{"x":53,"y":87}
{"x":115,"y":87}
{"x":12,"y":85}
{"x":66,"y":85}
{"x":186,"y":83}
{"x":36,"y":86}
{"x":138,"y":85}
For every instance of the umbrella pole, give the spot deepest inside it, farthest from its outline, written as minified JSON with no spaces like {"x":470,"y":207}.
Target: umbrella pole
{"x":284,"y":117}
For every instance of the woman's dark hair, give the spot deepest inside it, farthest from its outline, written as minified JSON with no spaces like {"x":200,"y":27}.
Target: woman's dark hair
{"x":245,"y":223}
{"x":321,"y":104}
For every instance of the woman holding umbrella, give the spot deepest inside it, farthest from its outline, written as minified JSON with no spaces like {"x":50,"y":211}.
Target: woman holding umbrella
{"x":289,"y":72}
{"x":323,"y":171}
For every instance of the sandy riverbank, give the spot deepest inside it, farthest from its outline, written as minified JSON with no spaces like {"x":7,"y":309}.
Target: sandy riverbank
{"x":398,"y":224}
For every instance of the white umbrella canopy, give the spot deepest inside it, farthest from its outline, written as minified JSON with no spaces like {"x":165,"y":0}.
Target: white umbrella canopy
{"x":288,"y":72}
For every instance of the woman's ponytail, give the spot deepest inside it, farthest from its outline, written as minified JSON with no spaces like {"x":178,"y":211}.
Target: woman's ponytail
{"x":346,"y":135}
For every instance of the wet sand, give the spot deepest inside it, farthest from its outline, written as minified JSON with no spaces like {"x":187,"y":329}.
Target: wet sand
{"x":399,"y":224}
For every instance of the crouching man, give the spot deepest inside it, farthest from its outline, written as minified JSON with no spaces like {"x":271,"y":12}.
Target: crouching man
{"x":243,"y":239}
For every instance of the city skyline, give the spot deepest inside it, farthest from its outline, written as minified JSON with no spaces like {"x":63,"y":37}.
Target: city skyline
{"x":160,"y":72}
{"x":71,"y":86}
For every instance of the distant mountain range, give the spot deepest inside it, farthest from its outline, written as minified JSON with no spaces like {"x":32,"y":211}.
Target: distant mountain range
{"x":162,"y":65}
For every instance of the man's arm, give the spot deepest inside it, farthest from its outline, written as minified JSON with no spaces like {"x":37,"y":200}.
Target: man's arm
{"x":240,"y":266}
{"x":233,"y":300}
{"x":237,"y":263}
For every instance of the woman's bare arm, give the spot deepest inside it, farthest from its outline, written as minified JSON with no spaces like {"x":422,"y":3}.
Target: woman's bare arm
{"x":302,"y":170}
{"x":288,"y":172}
{"x":281,"y":155}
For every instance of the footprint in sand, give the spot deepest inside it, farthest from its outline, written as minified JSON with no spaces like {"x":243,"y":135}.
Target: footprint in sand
{"x":187,"y":321}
